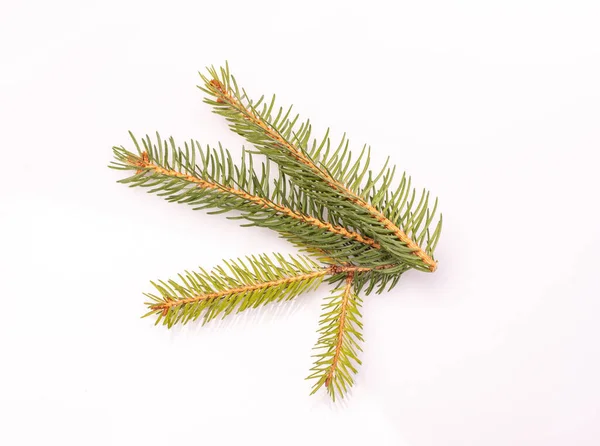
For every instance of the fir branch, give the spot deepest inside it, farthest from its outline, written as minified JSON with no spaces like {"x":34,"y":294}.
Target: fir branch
{"x":145,"y":165}
{"x":338,"y":346}
{"x":207,"y":178}
{"x":242,"y":285}
{"x":279,"y":140}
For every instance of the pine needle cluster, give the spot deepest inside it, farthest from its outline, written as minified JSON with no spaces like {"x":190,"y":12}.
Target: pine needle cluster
{"x":358,"y":228}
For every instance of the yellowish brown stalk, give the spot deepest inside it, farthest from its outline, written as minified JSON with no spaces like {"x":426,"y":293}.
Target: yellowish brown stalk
{"x":341,"y":327}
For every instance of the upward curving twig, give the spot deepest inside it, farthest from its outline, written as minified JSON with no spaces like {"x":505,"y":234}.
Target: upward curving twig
{"x":225,"y":96}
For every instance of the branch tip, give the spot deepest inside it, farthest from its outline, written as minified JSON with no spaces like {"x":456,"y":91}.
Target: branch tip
{"x":141,"y":162}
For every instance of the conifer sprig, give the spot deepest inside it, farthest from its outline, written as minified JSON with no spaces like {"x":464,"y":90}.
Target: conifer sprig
{"x":151,"y":161}
{"x":239,"y":285}
{"x":338,"y":345}
{"x":359,"y":197}
{"x":208,"y":178}
{"x":361,"y":232}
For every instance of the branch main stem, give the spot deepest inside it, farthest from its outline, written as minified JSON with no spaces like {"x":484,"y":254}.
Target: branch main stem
{"x":225,"y":96}
{"x":143,"y":163}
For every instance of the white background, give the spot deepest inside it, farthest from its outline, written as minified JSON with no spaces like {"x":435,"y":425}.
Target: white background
{"x":494,"y":106}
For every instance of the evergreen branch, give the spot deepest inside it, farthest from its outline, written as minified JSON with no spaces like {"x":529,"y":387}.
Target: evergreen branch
{"x":244,"y":284}
{"x":145,"y":165}
{"x":365,"y":234}
{"x":243,"y":289}
{"x":274,"y":139}
{"x":208,"y":179}
{"x":338,"y":345}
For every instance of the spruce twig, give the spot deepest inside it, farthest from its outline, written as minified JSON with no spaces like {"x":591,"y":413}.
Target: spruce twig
{"x":338,"y":345}
{"x":315,"y":170}
{"x":248,"y":113}
{"x":144,"y":165}
{"x":358,"y":232}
